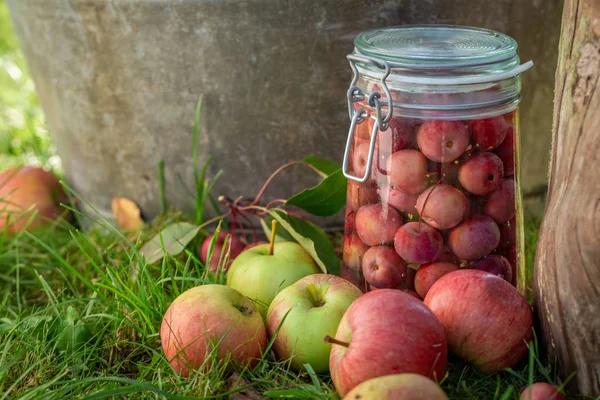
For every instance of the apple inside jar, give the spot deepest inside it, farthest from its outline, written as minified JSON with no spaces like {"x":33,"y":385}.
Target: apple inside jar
{"x":438,"y":191}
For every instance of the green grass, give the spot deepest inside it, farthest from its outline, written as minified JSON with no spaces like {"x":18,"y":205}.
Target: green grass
{"x":81,"y":312}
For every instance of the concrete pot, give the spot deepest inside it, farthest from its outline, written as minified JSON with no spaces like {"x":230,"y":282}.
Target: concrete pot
{"x":119,"y":80}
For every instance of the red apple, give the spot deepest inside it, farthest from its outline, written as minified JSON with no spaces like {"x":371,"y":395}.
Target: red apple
{"x":512,"y":255}
{"x":397,"y":387}
{"x":448,"y":256}
{"x":413,"y":294}
{"x":542,"y":391}
{"x":442,"y":206}
{"x":360,"y":158}
{"x":350,"y":221}
{"x":29,"y":198}
{"x":481,"y":173}
{"x":429,"y":273}
{"x":234,"y":247}
{"x":418,"y":243}
{"x":360,"y":194}
{"x":443,"y":141}
{"x":386,"y":332}
{"x":487,"y":322}
{"x":210,"y":315}
{"x":475,"y":238}
{"x":407,"y":171}
{"x":377,"y":224}
{"x":354,"y":250}
{"x":488,"y":133}
{"x":501,"y":204}
{"x":383,"y":268}
{"x":400,"y":200}
{"x":506,"y":152}
{"x":495,"y":264}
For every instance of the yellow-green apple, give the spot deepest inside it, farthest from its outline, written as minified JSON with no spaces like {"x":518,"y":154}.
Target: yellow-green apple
{"x":305,"y":312}
{"x":251,"y":245}
{"x":207,"y":318}
{"x":234,"y":246}
{"x":487,"y":321}
{"x":386,"y":332}
{"x":29,"y":198}
{"x":542,"y":391}
{"x":260,"y":273}
{"x":397,"y":387}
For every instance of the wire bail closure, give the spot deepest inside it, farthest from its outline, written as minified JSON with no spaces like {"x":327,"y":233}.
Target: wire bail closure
{"x":355,"y":95}
{"x":359,"y":115}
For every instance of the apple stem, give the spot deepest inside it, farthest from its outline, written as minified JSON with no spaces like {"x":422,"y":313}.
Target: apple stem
{"x":272,"y":242}
{"x":329,"y":339}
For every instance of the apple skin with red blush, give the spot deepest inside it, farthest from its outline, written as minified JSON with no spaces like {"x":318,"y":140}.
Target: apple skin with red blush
{"x":486,"y":320}
{"x":369,"y":343}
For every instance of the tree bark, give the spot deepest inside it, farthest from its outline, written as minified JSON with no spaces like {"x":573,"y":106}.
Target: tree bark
{"x":567,"y":265}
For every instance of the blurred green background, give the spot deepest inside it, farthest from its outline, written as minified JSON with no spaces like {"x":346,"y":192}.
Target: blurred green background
{"x":24,"y":137}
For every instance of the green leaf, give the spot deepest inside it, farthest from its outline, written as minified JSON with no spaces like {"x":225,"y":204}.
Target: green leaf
{"x":325,"y":199}
{"x":328,"y":167}
{"x":312,"y":238}
{"x":174,"y":238}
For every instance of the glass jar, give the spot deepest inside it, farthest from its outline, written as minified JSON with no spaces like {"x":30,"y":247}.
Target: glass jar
{"x":432,"y":157}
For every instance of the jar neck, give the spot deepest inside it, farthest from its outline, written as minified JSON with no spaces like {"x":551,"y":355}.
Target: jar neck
{"x":431,"y":101}
{"x":453,"y":92}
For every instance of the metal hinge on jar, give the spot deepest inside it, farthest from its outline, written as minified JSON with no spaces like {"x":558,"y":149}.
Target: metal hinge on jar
{"x":355,"y":95}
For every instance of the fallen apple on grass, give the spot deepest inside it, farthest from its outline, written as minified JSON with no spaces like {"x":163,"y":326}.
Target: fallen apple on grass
{"x":261,"y":272}
{"x":541,"y":391}
{"x":234,"y":247}
{"x":397,"y":387}
{"x":30,"y":198}
{"x":305,"y":312}
{"x":211,"y":318}
{"x":486,"y":320}
{"x":386,"y":332}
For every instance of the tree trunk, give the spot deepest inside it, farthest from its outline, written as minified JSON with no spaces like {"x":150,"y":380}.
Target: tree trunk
{"x":567,"y":265}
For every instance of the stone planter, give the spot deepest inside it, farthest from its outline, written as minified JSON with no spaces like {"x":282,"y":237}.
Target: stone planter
{"x":119,"y":80}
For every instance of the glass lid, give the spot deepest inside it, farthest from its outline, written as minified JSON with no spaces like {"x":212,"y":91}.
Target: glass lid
{"x":436,"y":46}
{"x":438,"y":71}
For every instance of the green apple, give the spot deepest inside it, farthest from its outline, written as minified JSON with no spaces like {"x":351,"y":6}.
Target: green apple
{"x":263,"y":271}
{"x":312,"y":308}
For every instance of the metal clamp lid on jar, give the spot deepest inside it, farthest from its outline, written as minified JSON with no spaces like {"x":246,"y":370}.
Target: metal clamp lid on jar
{"x":381,"y":121}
